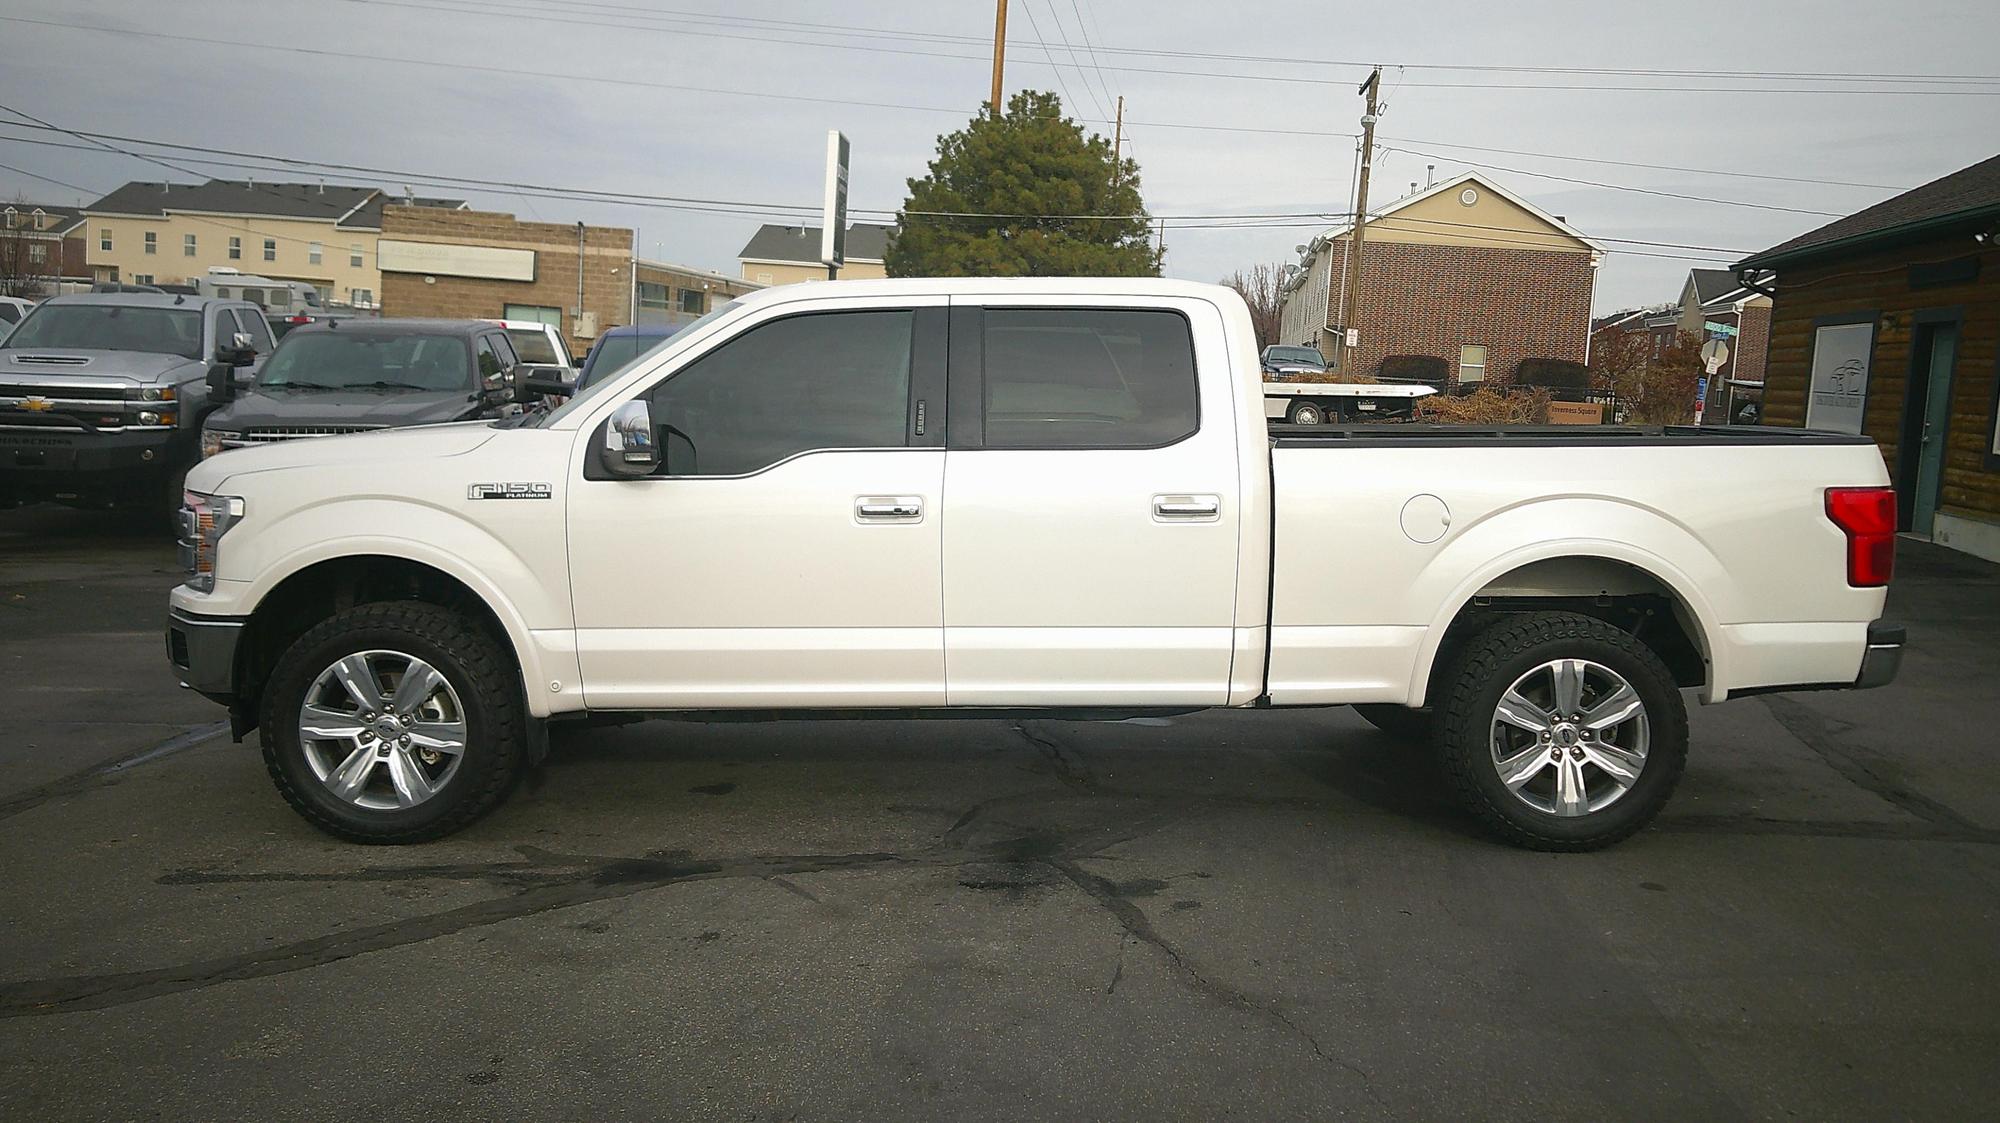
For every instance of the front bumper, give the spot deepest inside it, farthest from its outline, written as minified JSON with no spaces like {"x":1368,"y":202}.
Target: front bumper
{"x":1884,"y":656}
{"x":33,"y":449}
{"x":202,"y":650}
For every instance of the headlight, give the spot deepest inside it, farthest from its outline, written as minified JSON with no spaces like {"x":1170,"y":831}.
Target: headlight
{"x":204,"y":520}
{"x":215,"y":440}
{"x":148,"y":417}
{"x":157,"y":394}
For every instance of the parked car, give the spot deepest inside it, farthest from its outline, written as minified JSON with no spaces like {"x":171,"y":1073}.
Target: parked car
{"x":353,"y":376}
{"x":783,"y":511}
{"x":1280,"y":359}
{"x":13,"y":310}
{"x":539,"y":344}
{"x":619,"y":346}
{"x":102,"y":395}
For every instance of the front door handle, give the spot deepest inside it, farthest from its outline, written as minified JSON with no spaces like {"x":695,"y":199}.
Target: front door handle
{"x":889,"y":508}
{"x":1187,"y":508}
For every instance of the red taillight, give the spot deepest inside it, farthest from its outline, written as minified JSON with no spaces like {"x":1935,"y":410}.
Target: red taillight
{"x":1868,"y":517}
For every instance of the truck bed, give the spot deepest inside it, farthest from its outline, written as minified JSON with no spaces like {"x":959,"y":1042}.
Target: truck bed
{"x":1429,"y":435}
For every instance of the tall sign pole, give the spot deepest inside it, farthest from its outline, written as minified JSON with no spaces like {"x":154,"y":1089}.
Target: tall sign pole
{"x":999,"y":52}
{"x":833,"y":208}
{"x":1350,"y":318}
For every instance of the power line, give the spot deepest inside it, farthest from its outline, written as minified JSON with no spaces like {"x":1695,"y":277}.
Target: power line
{"x":1615,"y":186}
{"x":1027,"y":6}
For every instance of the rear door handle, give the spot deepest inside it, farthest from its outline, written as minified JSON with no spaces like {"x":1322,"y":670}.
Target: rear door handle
{"x":889,"y":508}
{"x":1187,"y":508}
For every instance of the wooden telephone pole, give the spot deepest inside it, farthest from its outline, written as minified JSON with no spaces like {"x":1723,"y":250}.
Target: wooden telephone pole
{"x":999,"y":52}
{"x":1351,"y":314}
{"x":1118,"y":143}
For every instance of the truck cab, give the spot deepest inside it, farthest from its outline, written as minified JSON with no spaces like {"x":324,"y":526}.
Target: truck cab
{"x":102,"y":395}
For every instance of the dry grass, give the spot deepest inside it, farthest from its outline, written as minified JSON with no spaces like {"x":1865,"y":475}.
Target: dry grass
{"x":1329,"y":376}
{"x":1486,"y":406}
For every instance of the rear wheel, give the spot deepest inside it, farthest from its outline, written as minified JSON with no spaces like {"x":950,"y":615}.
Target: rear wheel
{"x":1561,"y":732}
{"x":1306,"y":413}
{"x":393,"y":723}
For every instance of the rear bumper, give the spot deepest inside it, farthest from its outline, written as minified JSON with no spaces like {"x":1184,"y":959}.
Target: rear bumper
{"x":202,"y":650}
{"x":1884,"y":656}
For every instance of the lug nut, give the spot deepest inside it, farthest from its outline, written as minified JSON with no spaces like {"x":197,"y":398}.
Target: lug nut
{"x":368,"y":715}
{"x":407,"y":719}
{"x":405,"y":742}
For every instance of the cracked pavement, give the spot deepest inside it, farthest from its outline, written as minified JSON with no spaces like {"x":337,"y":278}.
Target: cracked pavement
{"x":1258,"y":915}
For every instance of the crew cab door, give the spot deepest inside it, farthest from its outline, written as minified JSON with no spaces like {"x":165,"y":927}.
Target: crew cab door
{"x":786,"y":551}
{"x":1091,"y":505}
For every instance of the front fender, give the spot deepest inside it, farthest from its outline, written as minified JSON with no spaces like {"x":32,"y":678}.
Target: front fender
{"x":1541,"y":530}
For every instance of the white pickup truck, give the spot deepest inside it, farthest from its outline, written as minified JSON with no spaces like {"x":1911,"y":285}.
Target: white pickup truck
{"x":989,"y":498}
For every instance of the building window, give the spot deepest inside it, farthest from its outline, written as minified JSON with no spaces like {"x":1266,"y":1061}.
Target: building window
{"x":187,"y":245}
{"x":104,"y":239}
{"x":142,"y":278}
{"x":536,"y":312}
{"x":235,"y":249}
{"x":270,"y":249}
{"x":1472,"y":363}
{"x":693,"y":301}
{"x":37,"y":252}
{"x":312,"y":253}
{"x":652,"y":295}
{"x":354,"y":256}
{"x":152,"y":242}
{"x":361,"y":298}
{"x":763,"y":278}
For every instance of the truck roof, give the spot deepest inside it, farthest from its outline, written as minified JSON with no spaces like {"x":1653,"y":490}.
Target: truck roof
{"x":140,"y":299}
{"x":984,"y":286}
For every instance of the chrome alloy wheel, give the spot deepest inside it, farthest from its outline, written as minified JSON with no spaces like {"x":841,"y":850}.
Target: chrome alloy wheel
{"x":382,"y":730}
{"x":1569,"y":737}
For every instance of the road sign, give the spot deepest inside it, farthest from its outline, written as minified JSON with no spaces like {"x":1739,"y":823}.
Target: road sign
{"x":833,"y":211}
{"x":1354,"y":337}
{"x":1714,"y":353}
{"x":1718,"y":329}
{"x":1700,"y":397}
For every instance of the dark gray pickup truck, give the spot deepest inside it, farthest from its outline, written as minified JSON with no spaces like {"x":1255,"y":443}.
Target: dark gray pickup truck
{"x":102,"y":395}
{"x":330,"y":379}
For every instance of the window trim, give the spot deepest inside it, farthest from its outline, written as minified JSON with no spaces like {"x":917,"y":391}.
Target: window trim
{"x":966,"y":376}
{"x":1483,"y":365}
{"x":927,"y":372}
{"x":188,"y":245}
{"x":270,"y":249}
{"x":315,"y":253}
{"x":152,"y":242}
{"x":235,"y":247}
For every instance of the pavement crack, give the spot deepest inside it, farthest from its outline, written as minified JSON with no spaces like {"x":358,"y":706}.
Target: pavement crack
{"x":1136,"y":925}
{"x":1068,"y":767}
{"x":78,"y":781}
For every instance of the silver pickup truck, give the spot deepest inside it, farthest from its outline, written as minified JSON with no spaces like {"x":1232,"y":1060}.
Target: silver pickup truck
{"x":102,"y":395}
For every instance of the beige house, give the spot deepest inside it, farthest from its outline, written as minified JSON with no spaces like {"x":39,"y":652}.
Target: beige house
{"x":172,"y":233}
{"x":664,"y":293}
{"x":783,"y":255}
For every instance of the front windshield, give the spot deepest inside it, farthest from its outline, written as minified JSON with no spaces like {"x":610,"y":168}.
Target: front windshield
{"x":110,"y":327}
{"x":1297,"y":355}
{"x":598,"y":381}
{"x":337,"y":360}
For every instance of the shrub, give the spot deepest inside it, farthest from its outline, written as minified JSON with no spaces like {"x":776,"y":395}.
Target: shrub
{"x":1414,"y":368}
{"x":1486,"y":406}
{"x":1557,"y":374}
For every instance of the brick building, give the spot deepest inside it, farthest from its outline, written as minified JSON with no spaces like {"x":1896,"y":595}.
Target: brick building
{"x":472,"y":264}
{"x":41,"y":248}
{"x":1465,"y":271}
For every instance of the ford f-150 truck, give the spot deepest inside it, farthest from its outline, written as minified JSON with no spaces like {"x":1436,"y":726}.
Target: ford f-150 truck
{"x":990,"y":498}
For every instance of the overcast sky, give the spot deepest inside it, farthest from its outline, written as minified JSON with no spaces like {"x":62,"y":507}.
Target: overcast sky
{"x":579,"y":94}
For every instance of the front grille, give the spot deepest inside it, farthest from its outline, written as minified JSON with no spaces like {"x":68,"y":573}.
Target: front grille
{"x":69,"y":392}
{"x":51,"y":360}
{"x":294,"y":432}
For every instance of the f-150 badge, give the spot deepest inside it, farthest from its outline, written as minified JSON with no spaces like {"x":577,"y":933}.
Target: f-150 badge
{"x":507,"y":491}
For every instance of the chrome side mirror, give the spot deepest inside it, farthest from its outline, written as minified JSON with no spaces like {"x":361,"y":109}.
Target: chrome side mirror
{"x":628,"y":450}
{"x":242,"y":341}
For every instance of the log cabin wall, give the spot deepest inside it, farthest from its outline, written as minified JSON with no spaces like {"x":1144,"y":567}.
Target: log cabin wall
{"x":1900,"y":285}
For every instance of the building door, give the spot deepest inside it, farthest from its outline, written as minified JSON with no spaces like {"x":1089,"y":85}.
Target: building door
{"x":1926,"y":419}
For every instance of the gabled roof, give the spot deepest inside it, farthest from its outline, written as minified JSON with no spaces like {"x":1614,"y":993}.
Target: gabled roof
{"x":66,"y":218}
{"x":1967,"y":196}
{"x":866,"y":241}
{"x":1452,"y":184}
{"x":353,"y":207}
{"x":1710,"y":284}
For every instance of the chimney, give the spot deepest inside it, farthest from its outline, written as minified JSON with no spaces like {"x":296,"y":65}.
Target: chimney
{"x":322,"y":185}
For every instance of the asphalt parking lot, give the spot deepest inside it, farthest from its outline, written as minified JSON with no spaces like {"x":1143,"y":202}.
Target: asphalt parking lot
{"x":1229,"y":914}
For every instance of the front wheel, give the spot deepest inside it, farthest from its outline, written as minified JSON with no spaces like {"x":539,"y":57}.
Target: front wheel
{"x":1306,"y":413}
{"x":392,"y":723}
{"x":1561,"y":732}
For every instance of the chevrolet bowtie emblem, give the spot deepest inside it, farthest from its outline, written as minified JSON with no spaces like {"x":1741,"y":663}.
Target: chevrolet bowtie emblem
{"x":37,"y":405}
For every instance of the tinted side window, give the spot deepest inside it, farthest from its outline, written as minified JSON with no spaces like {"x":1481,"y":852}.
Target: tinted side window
{"x":830,"y":380}
{"x":489,"y":363}
{"x":504,"y":348}
{"x":1087,"y":378}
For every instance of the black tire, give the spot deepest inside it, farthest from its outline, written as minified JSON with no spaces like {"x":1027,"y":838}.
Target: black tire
{"x":1490,"y":663}
{"x":487,"y":687}
{"x":1400,"y":722}
{"x":1306,"y":413}
{"x":165,"y":508}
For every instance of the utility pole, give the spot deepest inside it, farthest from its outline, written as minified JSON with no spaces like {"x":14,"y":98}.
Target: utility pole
{"x":999,"y":52}
{"x":1351,"y":314}
{"x":1118,"y":143}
